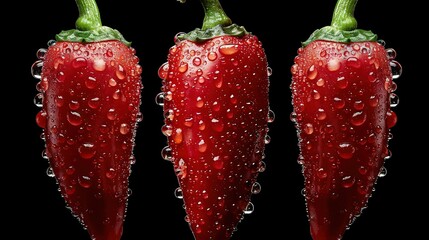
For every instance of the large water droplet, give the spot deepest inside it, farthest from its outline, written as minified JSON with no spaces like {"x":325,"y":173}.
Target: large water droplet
{"x":163,"y":70}
{"x":358,"y":118}
{"x":120,"y":72}
{"x":41,"y":53}
{"x":36,"y":69}
{"x":90,"y":83}
{"x":212,"y":56}
{"x":348,"y":181}
{"x":167,"y":153}
{"x":87,"y":150}
{"x":178,"y":136}
{"x":94,"y":103}
{"x":322,"y":173}
{"x":308,"y":128}
{"x":79,"y":62}
{"x":177,"y":37}
{"x":38,"y":100}
{"x":51,"y":42}
{"x":228,"y":49}
{"x":202,"y":146}
{"x":183,"y":67}
{"x":391,"y":53}
{"x":396,"y":69}
{"x":353,"y":62}
{"x":346,"y":150}
{"x":84,"y":181}
{"x":333,"y":65}
{"x":111,"y":173}
{"x":99,"y":65}
{"x":312,"y":72}
{"x":391,"y":119}
{"x":74,"y":118}
{"x":124,"y":128}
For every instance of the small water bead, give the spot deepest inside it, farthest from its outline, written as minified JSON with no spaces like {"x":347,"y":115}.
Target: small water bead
{"x":91,"y":83}
{"x":132,"y":160}
{"x":202,"y":146}
{"x":269,"y":71}
{"x":394,"y":100}
{"x":271,"y":116}
{"x":178,"y":193}
{"x":381,"y":42}
{"x":111,"y":173}
{"x":391,"y":119}
{"x":50,"y":172}
{"x":396,"y":69}
{"x":44,"y":154}
{"x":383,"y":172}
{"x":320,"y":82}
{"x":111,"y":114}
{"x":293,"y":116}
{"x":342,"y":82}
{"x":267,"y":139}
{"x":339,"y":103}
{"x":167,"y":130}
{"x":256,"y":188}
{"x":308,"y":128}
{"x":129,"y":192}
{"x":183,"y":67}
{"x":178,"y":137}
{"x":196,"y":61}
{"x":139,"y":117}
{"x":124,"y":128}
{"x":167,"y":153}
{"x":99,"y":64}
{"x":322,"y":173}
{"x":249,"y":209}
{"x":321,"y":114}
{"x":36,"y":69}
{"x":38,"y":100}
{"x":163,"y":70}
{"x":41,"y":53}
{"x":120,"y":72}
{"x":51,"y":43}
{"x":159,"y":99}
{"x":262,"y":167}
{"x":74,"y":105}
{"x":358,"y":118}
{"x":389,"y":155}
{"x":353,"y":62}
{"x":312,"y":72}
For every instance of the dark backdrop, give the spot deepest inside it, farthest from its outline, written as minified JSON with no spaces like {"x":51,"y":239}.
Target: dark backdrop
{"x":36,"y":208}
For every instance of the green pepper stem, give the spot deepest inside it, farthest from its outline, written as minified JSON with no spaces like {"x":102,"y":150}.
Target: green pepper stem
{"x":343,"y":17}
{"x":214,"y":15}
{"x":89,"y":15}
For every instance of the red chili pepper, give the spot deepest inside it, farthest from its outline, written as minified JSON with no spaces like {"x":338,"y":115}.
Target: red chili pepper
{"x":90,"y":88}
{"x":215,"y":99}
{"x":342,"y":97}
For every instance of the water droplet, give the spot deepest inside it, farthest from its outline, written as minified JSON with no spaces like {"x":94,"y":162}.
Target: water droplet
{"x":167,"y":130}
{"x":269,"y":71}
{"x":94,"y":103}
{"x":333,"y":65}
{"x":217,"y":163}
{"x":228,"y":49}
{"x":293,"y":116}
{"x":267,"y":139}
{"x":178,"y":137}
{"x":87,"y":150}
{"x":120,"y":72}
{"x":322,"y":173}
{"x":36,"y":69}
{"x":256,"y":188}
{"x":339,"y":103}
{"x":183,"y":67}
{"x":358,"y":118}
{"x":167,"y":153}
{"x":177,"y":37}
{"x":38,"y":100}
{"x":371,"y":77}
{"x":197,"y":61}
{"x":321,"y":114}
{"x":74,"y":105}
{"x":373,"y":101}
{"x":90,"y":83}
{"x":178,"y":193}
{"x":308,"y":128}
{"x":353,"y":62}
{"x":394,"y":100}
{"x":212,"y":56}
{"x":348,"y":181}
{"x":129,"y":192}
{"x":159,"y":99}
{"x":346,"y":150}
{"x":217,"y":125}
{"x":111,"y":114}
{"x":163,"y":70}
{"x":132,"y":160}
{"x":74,"y":118}
{"x":139,"y":117}
{"x":383,"y":172}
{"x":396,"y":69}
{"x":84,"y":181}
{"x":200,"y":102}
{"x":50,"y":172}
{"x":389,"y":155}
{"x":262,"y":167}
{"x":44,"y":154}
{"x":79,"y":62}
{"x":249,"y":209}
{"x":342,"y":83}
{"x":111,"y":173}
{"x":320,"y":82}
{"x":124,"y":128}
{"x":70,"y":170}
{"x":391,"y":119}
{"x":99,"y":64}
{"x":391,"y":53}
{"x":41,"y":53}
{"x":381,"y":42}
{"x":312,"y":72}
{"x":51,"y":43}
{"x":271,"y":116}
{"x":169,"y":115}
{"x":202,"y":146}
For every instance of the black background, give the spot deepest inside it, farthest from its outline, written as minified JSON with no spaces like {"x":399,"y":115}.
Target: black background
{"x":36,"y":208}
